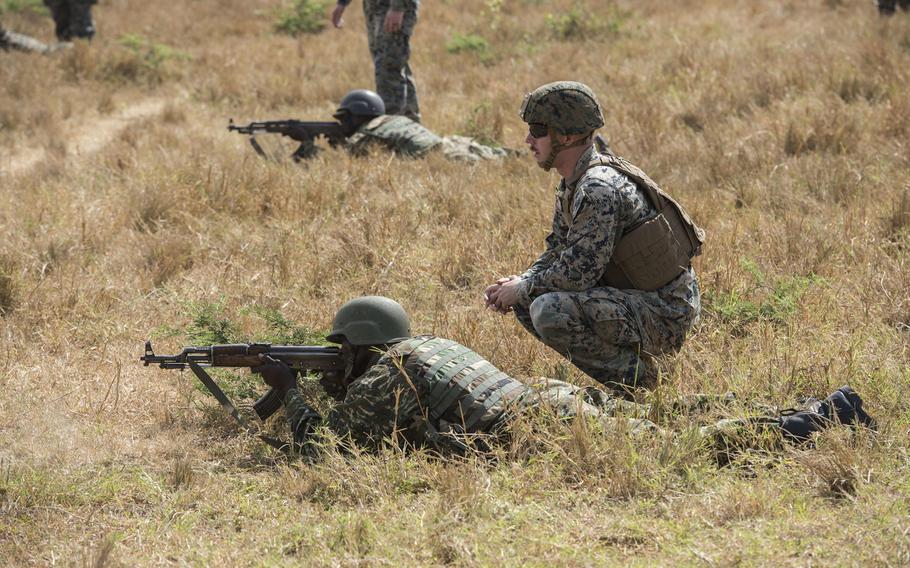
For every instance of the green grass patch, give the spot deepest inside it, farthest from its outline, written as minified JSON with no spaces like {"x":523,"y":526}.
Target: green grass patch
{"x":580,"y":24}
{"x":210,"y":324}
{"x":773,"y":300}
{"x":23,"y":6}
{"x":302,"y":17}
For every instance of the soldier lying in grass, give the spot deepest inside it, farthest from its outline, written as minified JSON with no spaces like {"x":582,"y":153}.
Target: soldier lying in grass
{"x":426,"y":391}
{"x":362,"y":124}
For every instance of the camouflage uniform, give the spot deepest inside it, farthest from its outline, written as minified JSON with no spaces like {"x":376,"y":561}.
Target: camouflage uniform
{"x":73,"y":18}
{"x":22,"y":42}
{"x":390,"y":52}
{"x":408,"y":138}
{"x":430,"y":391}
{"x":433,"y":391}
{"x":609,"y":333}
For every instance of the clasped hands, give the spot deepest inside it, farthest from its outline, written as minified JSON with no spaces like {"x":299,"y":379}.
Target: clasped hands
{"x":501,"y":296}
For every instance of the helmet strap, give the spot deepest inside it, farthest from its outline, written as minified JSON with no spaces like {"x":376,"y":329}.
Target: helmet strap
{"x":556,"y":148}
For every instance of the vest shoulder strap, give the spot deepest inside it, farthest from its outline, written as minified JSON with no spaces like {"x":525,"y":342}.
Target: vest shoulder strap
{"x":661,"y":201}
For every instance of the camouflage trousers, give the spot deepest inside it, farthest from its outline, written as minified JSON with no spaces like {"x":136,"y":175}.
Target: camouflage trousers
{"x":568,"y":401}
{"x":610,"y":334}
{"x":726,"y":438}
{"x":469,"y":150}
{"x":390,"y":52}
{"x":888,"y":7}
{"x":72,"y":18}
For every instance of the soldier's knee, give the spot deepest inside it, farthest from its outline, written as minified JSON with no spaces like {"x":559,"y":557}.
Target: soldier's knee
{"x":550,"y":322}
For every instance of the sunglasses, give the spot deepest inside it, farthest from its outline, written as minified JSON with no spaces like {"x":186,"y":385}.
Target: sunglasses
{"x":538,"y":130}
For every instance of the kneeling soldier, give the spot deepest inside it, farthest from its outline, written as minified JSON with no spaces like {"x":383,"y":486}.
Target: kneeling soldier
{"x":614,"y":286}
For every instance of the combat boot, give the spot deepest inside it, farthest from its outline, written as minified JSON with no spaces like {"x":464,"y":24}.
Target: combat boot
{"x":843,"y":406}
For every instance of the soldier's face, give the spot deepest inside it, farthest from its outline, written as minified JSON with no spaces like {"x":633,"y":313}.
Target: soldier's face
{"x":540,"y":146}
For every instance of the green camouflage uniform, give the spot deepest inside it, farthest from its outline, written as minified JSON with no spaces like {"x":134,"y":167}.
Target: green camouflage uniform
{"x":72,"y":18}
{"x":21,"y":42}
{"x":390,"y":52}
{"x":408,"y":138}
{"x":432,"y":391}
{"x":608,"y":333}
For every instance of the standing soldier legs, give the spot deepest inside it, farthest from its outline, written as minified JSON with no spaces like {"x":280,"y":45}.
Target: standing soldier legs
{"x":72,"y":18}
{"x":390,"y":52}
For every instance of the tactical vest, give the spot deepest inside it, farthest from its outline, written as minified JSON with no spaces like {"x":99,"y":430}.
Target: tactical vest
{"x":402,"y":135}
{"x":462,"y":388}
{"x":652,"y":253}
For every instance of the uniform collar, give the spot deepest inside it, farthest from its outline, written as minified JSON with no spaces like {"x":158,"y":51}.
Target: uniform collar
{"x":581,"y":166}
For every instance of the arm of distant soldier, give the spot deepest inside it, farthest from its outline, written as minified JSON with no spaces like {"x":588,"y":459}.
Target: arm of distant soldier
{"x":394,"y":18}
{"x":358,"y":144}
{"x":589,"y":243}
{"x":337,"y":13}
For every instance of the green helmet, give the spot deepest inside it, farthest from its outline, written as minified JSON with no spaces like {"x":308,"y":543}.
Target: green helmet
{"x":568,"y":107}
{"x":370,"y":320}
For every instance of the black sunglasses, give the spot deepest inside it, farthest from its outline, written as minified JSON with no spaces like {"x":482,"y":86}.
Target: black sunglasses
{"x":538,"y":130}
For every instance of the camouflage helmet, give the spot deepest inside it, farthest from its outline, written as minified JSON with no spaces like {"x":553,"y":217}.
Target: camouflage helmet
{"x":568,"y":107}
{"x":370,"y":320}
{"x":361,"y":102}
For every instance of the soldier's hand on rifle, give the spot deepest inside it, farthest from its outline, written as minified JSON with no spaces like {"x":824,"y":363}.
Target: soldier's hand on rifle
{"x":336,"y":15}
{"x":277,"y":375}
{"x":393,"y":21}
{"x":333,"y":384}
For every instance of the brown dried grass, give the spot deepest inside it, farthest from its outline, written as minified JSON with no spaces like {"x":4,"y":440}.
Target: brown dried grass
{"x":781,"y":125}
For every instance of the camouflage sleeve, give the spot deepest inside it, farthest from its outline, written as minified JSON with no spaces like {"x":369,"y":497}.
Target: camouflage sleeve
{"x":554,"y":245}
{"x":589,"y":239}
{"x":377,"y":405}
{"x":302,"y":419}
{"x":358,"y":144}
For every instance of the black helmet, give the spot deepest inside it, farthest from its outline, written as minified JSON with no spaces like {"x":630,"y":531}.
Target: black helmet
{"x":361,"y":102}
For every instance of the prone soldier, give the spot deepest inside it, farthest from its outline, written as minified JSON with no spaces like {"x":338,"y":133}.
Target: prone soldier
{"x":427,"y":391}
{"x":362,"y":123}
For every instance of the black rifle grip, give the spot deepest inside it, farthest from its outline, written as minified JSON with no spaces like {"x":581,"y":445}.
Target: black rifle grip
{"x":268,"y":404}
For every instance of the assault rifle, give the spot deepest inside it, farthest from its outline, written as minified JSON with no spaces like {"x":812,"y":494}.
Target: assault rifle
{"x":304,"y":132}
{"x":303,"y":358}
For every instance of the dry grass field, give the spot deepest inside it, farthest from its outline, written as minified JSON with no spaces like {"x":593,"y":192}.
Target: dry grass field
{"x":128,"y":211}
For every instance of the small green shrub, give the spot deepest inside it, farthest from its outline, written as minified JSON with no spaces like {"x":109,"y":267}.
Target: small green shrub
{"x":142,"y":60}
{"x":303,"y":17}
{"x":23,"y":6}
{"x":281,"y":331}
{"x":209,"y":325}
{"x":152,"y":54}
{"x":773,"y":301}
{"x":484,"y":124}
{"x":471,"y":43}
{"x":579,"y":24}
